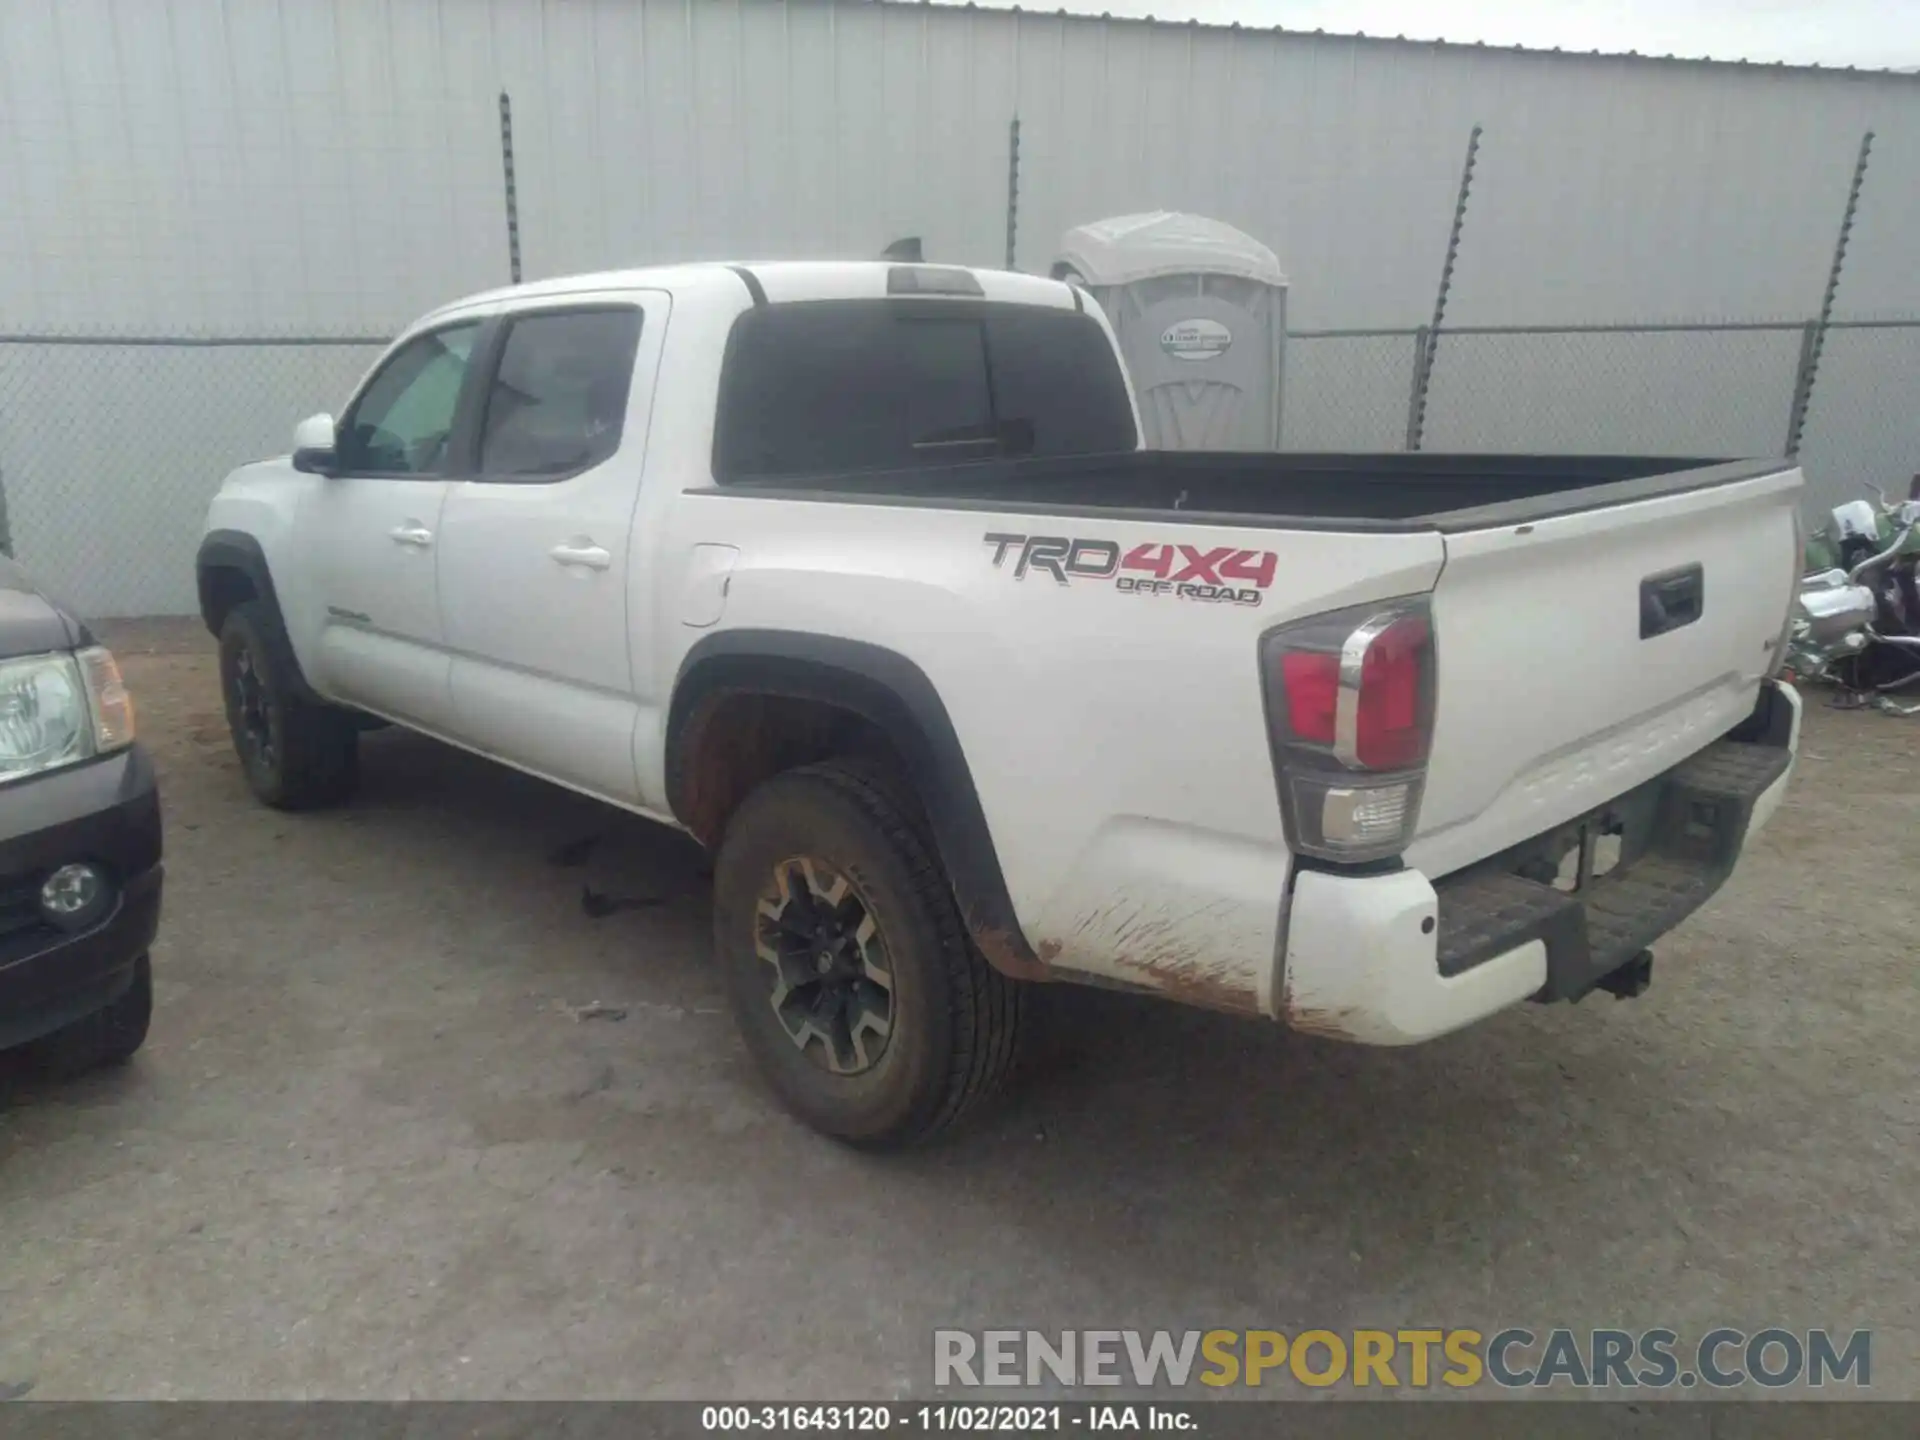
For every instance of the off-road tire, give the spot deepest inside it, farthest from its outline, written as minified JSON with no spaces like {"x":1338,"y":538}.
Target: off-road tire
{"x":109,"y":1036}
{"x":311,"y":758}
{"x":956,"y":1022}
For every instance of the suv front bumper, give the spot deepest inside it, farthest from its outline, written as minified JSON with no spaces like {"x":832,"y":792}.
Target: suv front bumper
{"x":106,"y":813}
{"x":1393,"y":959}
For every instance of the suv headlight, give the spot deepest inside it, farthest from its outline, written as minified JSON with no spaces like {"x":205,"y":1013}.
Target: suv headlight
{"x":58,"y":710}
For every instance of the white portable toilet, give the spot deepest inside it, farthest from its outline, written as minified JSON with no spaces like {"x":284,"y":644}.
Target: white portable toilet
{"x":1200,"y":309}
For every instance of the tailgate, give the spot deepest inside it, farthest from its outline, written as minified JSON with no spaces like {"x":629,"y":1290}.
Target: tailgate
{"x":1584,"y":654}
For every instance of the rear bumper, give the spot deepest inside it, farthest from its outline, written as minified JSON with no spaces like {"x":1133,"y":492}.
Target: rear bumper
{"x":1394,"y":959}
{"x":106,"y":813}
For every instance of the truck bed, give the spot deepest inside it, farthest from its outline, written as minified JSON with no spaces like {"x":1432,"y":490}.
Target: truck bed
{"x":1304,"y":490}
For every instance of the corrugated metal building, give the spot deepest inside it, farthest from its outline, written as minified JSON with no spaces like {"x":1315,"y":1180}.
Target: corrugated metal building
{"x":334,"y":166}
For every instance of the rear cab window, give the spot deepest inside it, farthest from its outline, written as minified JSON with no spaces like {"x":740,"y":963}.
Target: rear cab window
{"x":823,"y":387}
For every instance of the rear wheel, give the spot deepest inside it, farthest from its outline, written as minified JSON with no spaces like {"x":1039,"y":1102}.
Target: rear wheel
{"x":297,"y":754}
{"x":859,"y":995}
{"x":109,"y":1036}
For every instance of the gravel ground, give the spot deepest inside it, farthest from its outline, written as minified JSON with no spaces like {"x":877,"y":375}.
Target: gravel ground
{"x":376,"y":1148}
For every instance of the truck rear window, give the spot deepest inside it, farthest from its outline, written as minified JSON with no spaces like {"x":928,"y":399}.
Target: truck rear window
{"x":832,"y":386}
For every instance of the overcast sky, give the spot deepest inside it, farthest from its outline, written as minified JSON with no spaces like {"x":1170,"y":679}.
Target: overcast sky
{"x":1881,"y":34}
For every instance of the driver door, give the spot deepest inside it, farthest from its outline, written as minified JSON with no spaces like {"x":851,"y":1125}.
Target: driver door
{"x":374,"y":525}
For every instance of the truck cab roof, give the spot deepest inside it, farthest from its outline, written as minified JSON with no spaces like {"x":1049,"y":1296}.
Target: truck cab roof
{"x":788,"y":281}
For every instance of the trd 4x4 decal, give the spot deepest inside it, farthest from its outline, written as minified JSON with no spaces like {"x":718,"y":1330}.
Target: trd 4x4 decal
{"x":1187,"y":572}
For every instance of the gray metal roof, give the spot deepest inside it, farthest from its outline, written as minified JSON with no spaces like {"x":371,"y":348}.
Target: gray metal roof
{"x":1361,"y":37}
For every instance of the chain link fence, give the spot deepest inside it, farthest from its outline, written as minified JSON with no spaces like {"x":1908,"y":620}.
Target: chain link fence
{"x":111,"y":446}
{"x":110,"y":449}
{"x":1607,"y":389}
{"x":1863,"y":425}
{"x":1641,"y":392}
{"x":1347,"y":389}
{"x":1695,"y":390}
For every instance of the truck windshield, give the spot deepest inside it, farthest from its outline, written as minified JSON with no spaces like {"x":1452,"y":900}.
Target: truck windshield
{"x":844,"y":385}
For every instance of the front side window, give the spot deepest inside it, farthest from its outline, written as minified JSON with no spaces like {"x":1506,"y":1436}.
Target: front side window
{"x":403,"y":420}
{"x":559,"y":394}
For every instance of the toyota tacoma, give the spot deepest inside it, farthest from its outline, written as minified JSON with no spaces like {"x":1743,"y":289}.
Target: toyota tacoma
{"x":856,"y":571}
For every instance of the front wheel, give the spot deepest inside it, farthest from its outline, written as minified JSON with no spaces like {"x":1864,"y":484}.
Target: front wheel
{"x":852,"y":979}
{"x":297,"y":754}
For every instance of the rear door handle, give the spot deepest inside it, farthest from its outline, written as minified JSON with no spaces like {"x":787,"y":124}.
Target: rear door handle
{"x":413,"y":533}
{"x":584,"y":556}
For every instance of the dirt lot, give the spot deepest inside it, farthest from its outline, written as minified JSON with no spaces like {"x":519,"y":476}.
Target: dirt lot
{"x":371,"y":1151}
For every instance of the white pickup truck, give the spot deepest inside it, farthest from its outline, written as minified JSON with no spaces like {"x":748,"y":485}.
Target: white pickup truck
{"x":855,"y":572}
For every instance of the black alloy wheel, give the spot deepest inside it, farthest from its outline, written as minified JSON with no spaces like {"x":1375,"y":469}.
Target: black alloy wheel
{"x":253,"y":717}
{"x":827,"y":974}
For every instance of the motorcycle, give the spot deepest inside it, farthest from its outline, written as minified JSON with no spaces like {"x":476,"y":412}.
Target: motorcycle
{"x":1857,"y":618}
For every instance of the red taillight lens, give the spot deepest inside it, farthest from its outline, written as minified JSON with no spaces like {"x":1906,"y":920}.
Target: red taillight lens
{"x":1390,"y":730}
{"x":1350,"y":704}
{"x":1311,"y":692}
{"x":1358,"y":682}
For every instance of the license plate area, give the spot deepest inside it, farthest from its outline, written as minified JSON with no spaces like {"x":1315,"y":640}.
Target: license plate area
{"x":1677,"y":839}
{"x":1595,"y":852}
{"x":1573,"y":856}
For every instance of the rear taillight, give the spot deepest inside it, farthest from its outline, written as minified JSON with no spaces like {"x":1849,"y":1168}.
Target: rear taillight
{"x":1350,"y":707}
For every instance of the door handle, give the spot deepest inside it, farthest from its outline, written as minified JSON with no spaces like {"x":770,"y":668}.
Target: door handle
{"x":1671,"y":600}
{"x":586,"y":557}
{"x":411,"y":533}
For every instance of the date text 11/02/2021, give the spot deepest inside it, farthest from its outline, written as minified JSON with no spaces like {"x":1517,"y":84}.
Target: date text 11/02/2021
{"x":947,"y":1417}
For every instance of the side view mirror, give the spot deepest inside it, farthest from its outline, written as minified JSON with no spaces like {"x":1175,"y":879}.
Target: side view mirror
{"x":314,"y":445}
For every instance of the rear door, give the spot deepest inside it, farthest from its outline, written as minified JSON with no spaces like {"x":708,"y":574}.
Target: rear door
{"x":1582,"y":654}
{"x":536,"y":552}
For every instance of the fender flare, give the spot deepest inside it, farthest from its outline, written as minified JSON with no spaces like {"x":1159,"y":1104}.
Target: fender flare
{"x":888,"y":690}
{"x":231,"y":550}
{"x":237,"y":550}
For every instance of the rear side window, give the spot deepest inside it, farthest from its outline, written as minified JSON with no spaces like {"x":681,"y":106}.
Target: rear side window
{"x":559,"y":393}
{"x":879,"y":385}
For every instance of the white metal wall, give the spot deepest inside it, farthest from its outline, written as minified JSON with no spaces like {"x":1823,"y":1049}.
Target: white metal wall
{"x":334,"y":164}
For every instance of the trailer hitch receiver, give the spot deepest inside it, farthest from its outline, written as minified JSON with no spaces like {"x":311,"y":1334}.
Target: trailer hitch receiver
{"x":1631,"y":979}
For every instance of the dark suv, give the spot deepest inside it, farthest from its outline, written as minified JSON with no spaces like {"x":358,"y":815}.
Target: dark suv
{"x":79,"y":842}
